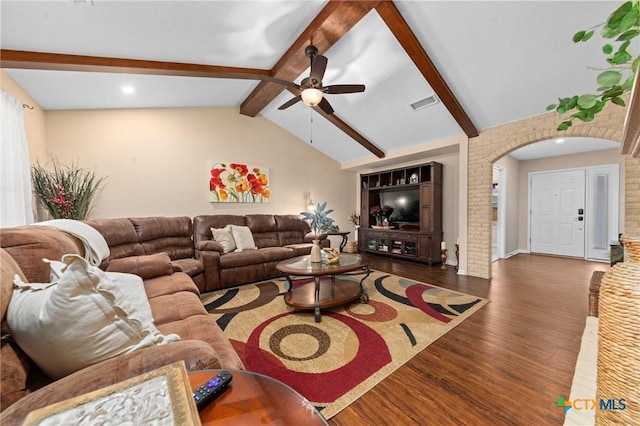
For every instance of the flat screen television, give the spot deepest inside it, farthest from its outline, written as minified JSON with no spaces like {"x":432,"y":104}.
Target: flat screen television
{"x":405,"y":203}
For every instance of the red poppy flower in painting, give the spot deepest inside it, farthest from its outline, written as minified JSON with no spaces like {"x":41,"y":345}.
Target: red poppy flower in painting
{"x":234,"y":183}
{"x":240,"y":168}
{"x":215,"y":181}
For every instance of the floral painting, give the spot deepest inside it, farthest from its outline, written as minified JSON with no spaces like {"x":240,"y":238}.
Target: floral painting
{"x":238,"y":183}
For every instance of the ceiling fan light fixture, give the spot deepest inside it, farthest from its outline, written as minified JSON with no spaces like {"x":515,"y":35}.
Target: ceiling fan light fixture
{"x":311,"y":96}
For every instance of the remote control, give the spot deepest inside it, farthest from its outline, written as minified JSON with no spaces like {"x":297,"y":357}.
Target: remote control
{"x":214,"y":387}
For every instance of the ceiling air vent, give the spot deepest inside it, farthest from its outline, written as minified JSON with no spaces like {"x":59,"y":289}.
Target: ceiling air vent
{"x":423,"y":103}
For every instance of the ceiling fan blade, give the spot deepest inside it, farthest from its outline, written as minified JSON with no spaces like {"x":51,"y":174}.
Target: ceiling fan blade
{"x":318,"y":66}
{"x":343,"y":88}
{"x":290,"y":102}
{"x":325,"y":106}
{"x":279,"y":81}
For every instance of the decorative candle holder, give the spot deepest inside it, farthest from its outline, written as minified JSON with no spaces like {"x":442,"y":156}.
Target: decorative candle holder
{"x":457,"y":256}
{"x":443,"y":257}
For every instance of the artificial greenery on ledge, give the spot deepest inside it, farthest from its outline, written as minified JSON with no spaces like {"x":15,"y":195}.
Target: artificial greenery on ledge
{"x":66,"y":192}
{"x":319,"y":220}
{"x":617,"y":79}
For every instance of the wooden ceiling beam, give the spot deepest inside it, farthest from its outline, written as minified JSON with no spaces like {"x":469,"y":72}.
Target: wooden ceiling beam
{"x":333,"y":22}
{"x":336,"y":121}
{"x":400,"y":29}
{"x":64,"y":62}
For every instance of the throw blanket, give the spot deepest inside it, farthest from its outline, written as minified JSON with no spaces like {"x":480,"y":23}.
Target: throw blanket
{"x":95,"y":246}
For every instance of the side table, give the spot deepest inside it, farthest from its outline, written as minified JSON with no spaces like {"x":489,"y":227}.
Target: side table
{"x":255,"y":399}
{"x":344,"y":236}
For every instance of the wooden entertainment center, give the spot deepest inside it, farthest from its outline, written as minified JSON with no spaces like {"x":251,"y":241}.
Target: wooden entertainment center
{"x":415,"y":231}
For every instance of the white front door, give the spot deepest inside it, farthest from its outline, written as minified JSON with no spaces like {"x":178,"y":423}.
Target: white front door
{"x":557,"y":213}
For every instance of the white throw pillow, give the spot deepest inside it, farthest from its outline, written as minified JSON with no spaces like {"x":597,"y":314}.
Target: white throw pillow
{"x":129,"y":293}
{"x":76,"y":322}
{"x":224,"y":237}
{"x":243,"y":238}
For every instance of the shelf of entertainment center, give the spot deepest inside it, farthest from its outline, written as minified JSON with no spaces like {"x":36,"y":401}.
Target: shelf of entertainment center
{"x":394,"y":242}
{"x":413,"y":194}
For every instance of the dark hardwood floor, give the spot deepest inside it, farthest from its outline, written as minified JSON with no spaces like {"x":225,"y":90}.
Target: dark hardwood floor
{"x":505,"y":365}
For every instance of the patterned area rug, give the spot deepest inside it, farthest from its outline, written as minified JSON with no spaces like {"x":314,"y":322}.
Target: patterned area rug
{"x":354,"y":347}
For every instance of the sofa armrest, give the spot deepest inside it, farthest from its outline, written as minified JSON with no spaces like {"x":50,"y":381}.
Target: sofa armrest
{"x":146,"y":266}
{"x":209,"y":245}
{"x":211,"y":268}
{"x":196,"y":354}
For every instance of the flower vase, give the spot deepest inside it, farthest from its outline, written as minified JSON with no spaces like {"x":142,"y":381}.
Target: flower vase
{"x":316,"y":252}
{"x":618,"y":345}
{"x":378,"y":221}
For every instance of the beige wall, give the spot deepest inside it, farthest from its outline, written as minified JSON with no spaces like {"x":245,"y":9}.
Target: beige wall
{"x":34,"y":119}
{"x":512,"y":213}
{"x":156,"y":161}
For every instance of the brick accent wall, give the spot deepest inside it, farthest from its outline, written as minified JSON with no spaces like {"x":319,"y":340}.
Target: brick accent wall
{"x":632,"y":196}
{"x":496,"y":142}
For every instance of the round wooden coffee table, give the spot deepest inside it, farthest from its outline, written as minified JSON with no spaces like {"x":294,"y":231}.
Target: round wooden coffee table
{"x":321,"y":285}
{"x":255,"y":399}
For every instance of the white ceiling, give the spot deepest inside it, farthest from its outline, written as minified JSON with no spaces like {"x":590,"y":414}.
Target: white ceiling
{"x":504,"y":61}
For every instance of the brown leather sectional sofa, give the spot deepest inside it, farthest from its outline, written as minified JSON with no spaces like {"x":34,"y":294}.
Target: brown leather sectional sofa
{"x":278,"y":237}
{"x":175,"y":306}
{"x":192,"y":250}
{"x":177,"y":259}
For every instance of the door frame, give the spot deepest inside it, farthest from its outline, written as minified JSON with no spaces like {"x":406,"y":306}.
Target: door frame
{"x":501,"y":225}
{"x":614,"y":202}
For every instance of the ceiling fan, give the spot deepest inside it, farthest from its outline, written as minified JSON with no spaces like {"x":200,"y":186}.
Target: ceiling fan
{"x":310,"y":90}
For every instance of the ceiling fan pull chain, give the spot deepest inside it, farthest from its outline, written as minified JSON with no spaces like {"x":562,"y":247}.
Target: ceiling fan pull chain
{"x":311,"y":126}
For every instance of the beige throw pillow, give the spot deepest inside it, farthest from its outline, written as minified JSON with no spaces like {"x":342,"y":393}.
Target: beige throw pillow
{"x":77,"y":321}
{"x":224,"y":237}
{"x":243,"y":238}
{"x":129,"y":293}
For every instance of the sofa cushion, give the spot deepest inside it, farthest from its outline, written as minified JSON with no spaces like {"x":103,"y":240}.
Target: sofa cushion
{"x":224,"y":237}
{"x":291,"y":229}
{"x":15,"y":365}
{"x":272,"y":254}
{"x":120,"y":236}
{"x":202,"y":224}
{"x":175,"y":307}
{"x":264,"y":230}
{"x":28,"y":245}
{"x":171,"y":235}
{"x":239,"y":259}
{"x":75,"y":323}
{"x":191,"y":267}
{"x":243,"y":237}
{"x":168,"y":284}
{"x":145,"y":266}
{"x":204,"y":328}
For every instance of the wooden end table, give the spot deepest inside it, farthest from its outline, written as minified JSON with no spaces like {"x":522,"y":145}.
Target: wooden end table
{"x":344,"y":235}
{"x":319,"y":285}
{"x":255,"y":399}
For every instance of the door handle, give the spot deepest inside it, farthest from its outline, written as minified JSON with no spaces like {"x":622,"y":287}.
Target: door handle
{"x":580,"y":218}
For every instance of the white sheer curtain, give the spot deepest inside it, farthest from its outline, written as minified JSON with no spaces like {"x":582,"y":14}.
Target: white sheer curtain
{"x":15,"y":172}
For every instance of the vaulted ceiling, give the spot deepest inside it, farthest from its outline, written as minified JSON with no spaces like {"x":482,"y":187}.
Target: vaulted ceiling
{"x":487,"y":63}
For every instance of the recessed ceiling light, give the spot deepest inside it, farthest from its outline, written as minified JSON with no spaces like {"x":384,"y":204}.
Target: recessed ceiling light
{"x":560,"y":140}
{"x":127,"y":90}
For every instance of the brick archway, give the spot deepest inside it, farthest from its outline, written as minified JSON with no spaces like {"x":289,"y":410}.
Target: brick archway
{"x":493,"y":144}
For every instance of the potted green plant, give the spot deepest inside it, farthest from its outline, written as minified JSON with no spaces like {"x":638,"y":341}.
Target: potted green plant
{"x":66,"y":192}
{"x":320,"y":223}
